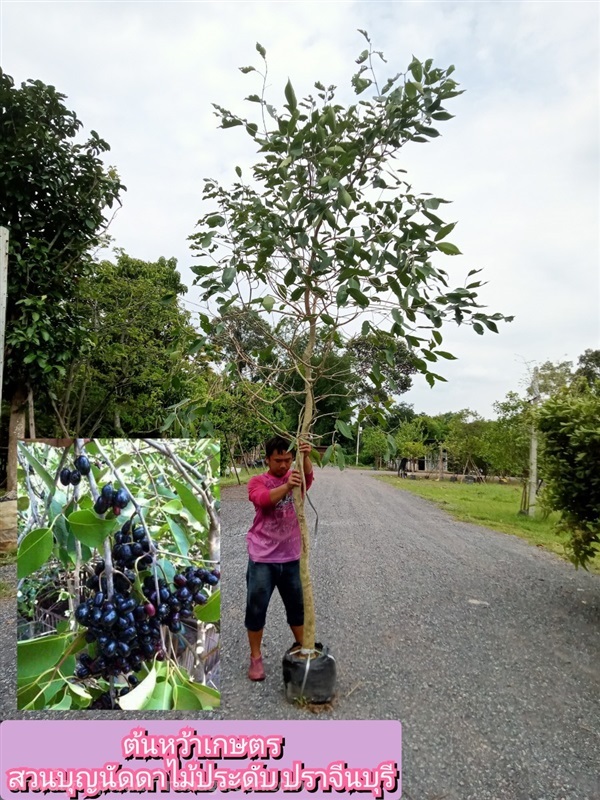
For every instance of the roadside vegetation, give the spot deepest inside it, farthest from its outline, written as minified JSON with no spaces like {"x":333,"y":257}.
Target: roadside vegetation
{"x":492,"y":506}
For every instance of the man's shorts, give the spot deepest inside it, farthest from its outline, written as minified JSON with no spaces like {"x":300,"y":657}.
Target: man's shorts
{"x":261,"y":580}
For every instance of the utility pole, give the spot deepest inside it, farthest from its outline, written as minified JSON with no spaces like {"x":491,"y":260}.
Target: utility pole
{"x":3,"y":295}
{"x":533,"y":447}
{"x":358,"y":440}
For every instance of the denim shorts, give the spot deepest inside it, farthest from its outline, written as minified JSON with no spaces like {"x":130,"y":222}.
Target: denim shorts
{"x":261,"y":580}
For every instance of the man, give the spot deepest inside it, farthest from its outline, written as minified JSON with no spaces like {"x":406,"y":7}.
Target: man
{"x":274,"y":545}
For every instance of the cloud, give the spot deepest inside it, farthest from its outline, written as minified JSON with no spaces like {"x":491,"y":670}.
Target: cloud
{"x":519,"y":161}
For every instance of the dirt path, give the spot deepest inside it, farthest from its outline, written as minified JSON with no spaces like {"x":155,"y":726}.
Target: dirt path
{"x":484,"y":647}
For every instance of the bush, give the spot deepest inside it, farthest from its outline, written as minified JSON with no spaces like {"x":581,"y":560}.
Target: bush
{"x":570,"y":424}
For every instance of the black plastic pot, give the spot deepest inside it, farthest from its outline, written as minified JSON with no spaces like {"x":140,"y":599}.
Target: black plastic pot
{"x":309,"y":680}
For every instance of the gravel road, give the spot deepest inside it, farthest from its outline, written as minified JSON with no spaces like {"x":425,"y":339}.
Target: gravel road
{"x":484,"y":647}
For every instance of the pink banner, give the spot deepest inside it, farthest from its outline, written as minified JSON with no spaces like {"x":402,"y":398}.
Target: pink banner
{"x":119,"y":760}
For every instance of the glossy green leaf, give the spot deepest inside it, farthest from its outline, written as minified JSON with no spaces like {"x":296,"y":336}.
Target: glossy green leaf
{"x":172,"y":507}
{"x":179,"y":535}
{"x":136,"y":699}
{"x":161,"y":698}
{"x":327,"y":456}
{"x":185,"y":700}
{"x":343,"y":428}
{"x":191,"y":503}
{"x":211,"y":612}
{"x":91,"y":529}
{"x":34,"y":550}
{"x":38,"y":468}
{"x":448,"y":248}
{"x":268,"y":303}
{"x":290,"y":96}
{"x":35,"y":656}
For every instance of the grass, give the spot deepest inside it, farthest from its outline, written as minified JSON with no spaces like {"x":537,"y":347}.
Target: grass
{"x":492,"y":505}
{"x":231,"y":480}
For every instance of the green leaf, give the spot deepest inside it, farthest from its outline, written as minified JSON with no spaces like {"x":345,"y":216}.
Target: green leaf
{"x":34,"y":550}
{"x":216,"y":220}
{"x":416,"y":70}
{"x":444,"y":354}
{"x":344,"y":197}
{"x":167,"y":569}
{"x":210,"y":698}
{"x":191,"y":503}
{"x":327,"y":456}
{"x":228,"y":278}
{"x":444,"y":231}
{"x":449,"y":249}
{"x":90,"y":529}
{"x":268,"y":303}
{"x":41,"y":470}
{"x":261,"y":49}
{"x":342,"y":295}
{"x":360,"y":298}
{"x":340,"y":458}
{"x":179,"y":535}
{"x":185,"y":700}
{"x":211,"y":612}
{"x":246,"y":70}
{"x":362,"y":57}
{"x":343,"y":428}
{"x":478,"y":328}
{"x":238,"y":170}
{"x":290,"y":96}
{"x":137,"y":698}
{"x":64,"y":704}
{"x":172,"y":507}
{"x":35,"y":656}
{"x":161,"y":698}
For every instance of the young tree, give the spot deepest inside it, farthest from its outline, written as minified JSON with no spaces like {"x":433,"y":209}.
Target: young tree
{"x":55,"y":195}
{"x":328,"y":228}
{"x":374,"y":444}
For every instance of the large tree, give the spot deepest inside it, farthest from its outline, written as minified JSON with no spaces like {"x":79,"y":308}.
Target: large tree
{"x":327,"y":228}
{"x":55,"y":200}
{"x":140,"y":356}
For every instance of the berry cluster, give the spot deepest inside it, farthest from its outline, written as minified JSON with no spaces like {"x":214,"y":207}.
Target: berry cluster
{"x":73,"y":477}
{"x":131,"y":545}
{"x":173,"y":605}
{"x":117,"y":499}
{"x":124,"y":632}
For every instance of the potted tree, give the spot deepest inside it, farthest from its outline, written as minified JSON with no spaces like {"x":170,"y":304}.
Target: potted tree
{"x":327,"y":233}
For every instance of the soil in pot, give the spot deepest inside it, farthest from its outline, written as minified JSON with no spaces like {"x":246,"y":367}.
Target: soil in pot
{"x":309,"y":680}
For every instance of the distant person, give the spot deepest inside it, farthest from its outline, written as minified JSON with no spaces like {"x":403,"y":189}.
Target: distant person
{"x":274,"y":544}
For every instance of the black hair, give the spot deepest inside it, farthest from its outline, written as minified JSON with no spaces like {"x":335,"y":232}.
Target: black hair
{"x":278,"y":444}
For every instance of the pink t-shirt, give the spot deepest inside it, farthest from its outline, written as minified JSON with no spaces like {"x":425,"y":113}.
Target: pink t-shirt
{"x":274,"y":537}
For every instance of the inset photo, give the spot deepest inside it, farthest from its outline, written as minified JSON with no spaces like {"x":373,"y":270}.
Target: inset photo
{"x":118,"y":563}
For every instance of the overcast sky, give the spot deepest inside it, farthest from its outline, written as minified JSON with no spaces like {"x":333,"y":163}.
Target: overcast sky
{"x":519,"y":161}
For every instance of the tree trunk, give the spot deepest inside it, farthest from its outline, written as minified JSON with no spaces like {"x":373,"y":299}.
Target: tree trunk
{"x":16,"y":431}
{"x":308,"y":644}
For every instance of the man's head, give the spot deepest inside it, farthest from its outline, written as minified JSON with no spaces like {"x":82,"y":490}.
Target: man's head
{"x":278,"y":458}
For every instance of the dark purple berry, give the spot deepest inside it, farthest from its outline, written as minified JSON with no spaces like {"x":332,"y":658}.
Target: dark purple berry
{"x":75,"y":477}
{"x":121,"y":498}
{"x":83,"y":465}
{"x":65,"y":476}
{"x":101,"y":505}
